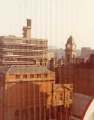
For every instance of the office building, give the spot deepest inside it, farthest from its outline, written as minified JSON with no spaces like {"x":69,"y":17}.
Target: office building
{"x":23,"y":50}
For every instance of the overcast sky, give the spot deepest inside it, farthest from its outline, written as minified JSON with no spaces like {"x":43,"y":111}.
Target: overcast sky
{"x":54,"y":20}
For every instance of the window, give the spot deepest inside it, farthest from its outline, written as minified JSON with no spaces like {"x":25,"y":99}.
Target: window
{"x":32,"y":112}
{"x":38,"y":75}
{"x":16,"y":115}
{"x":61,"y":97}
{"x":24,"y":114}
{"x":46,"y":75}
{"x":38,"y":112}
{"x":31,"y":75}
{"x":18,"y":76}
{"x":25,"y":76}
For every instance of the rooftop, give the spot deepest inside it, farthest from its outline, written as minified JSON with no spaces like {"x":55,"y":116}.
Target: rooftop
{"x":80,"y":105}
{"x":24,"y":69}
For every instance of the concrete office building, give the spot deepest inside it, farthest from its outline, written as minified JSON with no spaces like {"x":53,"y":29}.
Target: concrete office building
{"x":23,"y":50}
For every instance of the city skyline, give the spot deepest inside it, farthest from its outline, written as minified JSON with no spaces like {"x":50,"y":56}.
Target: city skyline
{"x":53,"y":20}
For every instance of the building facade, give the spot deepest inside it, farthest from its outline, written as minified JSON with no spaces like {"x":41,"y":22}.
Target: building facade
{"x":76,"y":70}
{"x":26,"y":92}
{"x":81,"y":75}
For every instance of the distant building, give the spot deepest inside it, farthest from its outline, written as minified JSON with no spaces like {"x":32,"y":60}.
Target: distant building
{"x":85,"y":52}
{"x":27,"y":30}
{"x":23,"y":50}
{"x":60,"y":61}
{"x":52,"y":64}
{"x":51,"y":54}
{"x":51,"y":60}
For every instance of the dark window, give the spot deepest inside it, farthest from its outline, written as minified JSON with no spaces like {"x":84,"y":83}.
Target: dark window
{"x":16,"y":115}
{"x":46,"y":75}
{"x":25,"y":76}
{"x":31,"y":75}
{"x":61,"y":97}
{"x":18,"y":76}
{"x":24,"y":114}
{"x":38,"y":113}
{"x":32,"y":112}
{"x":38,"y":75}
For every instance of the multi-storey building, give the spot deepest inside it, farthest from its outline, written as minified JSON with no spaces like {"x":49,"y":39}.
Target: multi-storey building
{"x":30,"y":92}
{"x":26,"y":90}
{"x":23,"y":50}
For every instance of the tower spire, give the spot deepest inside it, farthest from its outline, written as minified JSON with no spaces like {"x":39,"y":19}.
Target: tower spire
{"x":70,"y":50}
{"x":27,"y":29}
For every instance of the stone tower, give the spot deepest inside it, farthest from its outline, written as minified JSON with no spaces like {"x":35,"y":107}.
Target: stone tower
{"x":27,"y":30}
{"x":70,"y":50}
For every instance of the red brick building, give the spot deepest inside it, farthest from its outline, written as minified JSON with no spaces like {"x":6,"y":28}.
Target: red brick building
{"x":81,"y":75}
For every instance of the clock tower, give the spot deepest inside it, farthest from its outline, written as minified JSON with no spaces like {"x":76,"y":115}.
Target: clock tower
{"x":70,"y":50}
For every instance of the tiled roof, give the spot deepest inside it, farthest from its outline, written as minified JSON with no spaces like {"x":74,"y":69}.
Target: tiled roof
{"x":80,"y":105}
{"x":27,"y":69}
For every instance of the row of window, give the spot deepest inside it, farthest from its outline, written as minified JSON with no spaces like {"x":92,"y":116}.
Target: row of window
{"x":40,"y":47}
{"x":25,"y":76}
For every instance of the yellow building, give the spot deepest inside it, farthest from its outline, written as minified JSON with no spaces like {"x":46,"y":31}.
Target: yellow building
{"x":26,"y":92}
{"x":62,"y":95}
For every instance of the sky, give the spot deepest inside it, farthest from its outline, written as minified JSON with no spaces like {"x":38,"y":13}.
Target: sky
{"x":54,"y":20}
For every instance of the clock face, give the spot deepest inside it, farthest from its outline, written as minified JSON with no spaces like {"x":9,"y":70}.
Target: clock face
{"x":71,"y":46}
{"x":68,"y":46}
{"x":74,"y":47}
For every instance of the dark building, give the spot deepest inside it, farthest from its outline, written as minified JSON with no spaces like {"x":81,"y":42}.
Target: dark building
{"x":81,"y":75}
